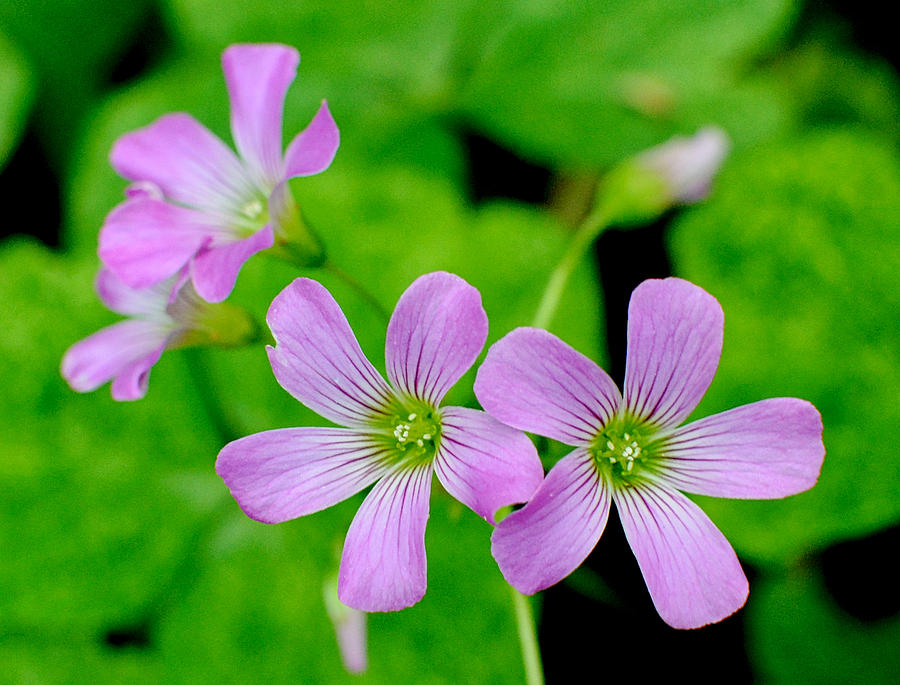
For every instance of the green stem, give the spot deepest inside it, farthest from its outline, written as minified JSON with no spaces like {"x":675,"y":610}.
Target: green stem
{"x":531,"y":653}
{"x":357,"y":287}
{"x":591,"y":228}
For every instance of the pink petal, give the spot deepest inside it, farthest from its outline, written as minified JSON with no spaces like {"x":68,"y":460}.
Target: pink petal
{"x":313,"y":149}
{"x":383,"y":567}
{"x":258,"y":77}
{"x":127,"y":349}
{"x":674,"y":345}
{"x":281,"y":474}
{"x":132,"y":381}
{"x":691,"y":571}
{"x":120,"y":298}
{"x":484,"y":463}
{"x":215,"y":270}
{"x":319,"y":361}
{"x":146,"y":241}
{"x":540,"y":544}
{"x":763,"y":450}
{"x":534,"y":381}
{"x":436,"y":332}
{"x":189,"y":164}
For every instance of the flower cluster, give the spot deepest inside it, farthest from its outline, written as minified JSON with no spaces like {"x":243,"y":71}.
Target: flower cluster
{"x":195,"y":211}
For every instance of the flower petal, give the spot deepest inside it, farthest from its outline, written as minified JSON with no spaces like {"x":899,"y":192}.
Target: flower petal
{"x":317,"y":358}
{"x":187,"y":162}
{"x":540,"y":544}
{"x":127,"y":349}
{"x":484,"y":463}
{"x":535,"y":382}
{"x":258,"y":77}
{"x":383,"y":567}
{"x":764,"y":450}
{"x":279,"y":475}
{"x":146,"y":241}
{"x":120,"y":298}
{"x":436,"y":332}
{"x":313,"y":149}
{"x":214,"y":271}
{"x":674,"y":345}
{"x":691,"y":571}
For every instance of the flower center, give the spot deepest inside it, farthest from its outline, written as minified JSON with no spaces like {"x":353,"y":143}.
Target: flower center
{"x":415,"y":433}
{"x":625,"y":449}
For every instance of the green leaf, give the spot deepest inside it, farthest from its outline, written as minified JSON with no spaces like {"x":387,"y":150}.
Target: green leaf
{"x":591,"y":83}
{"x":97,"y":498}
{"x":798,"y":243}
{"x":15,"y":97}
{"x":73,"y":48}
{"x":798,"y":635}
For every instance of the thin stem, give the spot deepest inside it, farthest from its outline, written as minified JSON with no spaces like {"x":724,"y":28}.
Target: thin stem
{"x":531,"y":653}
{"x":591,"y":228}
{"x":357,"y":287}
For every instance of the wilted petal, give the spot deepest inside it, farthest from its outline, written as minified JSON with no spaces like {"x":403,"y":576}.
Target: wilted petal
{"x":146,"y":241}
{"x":691,"y":571}
{"x":258,"y":77}
{"x":279,"y":475}
{"x":484,"y":463}
{"x":187,"y":162}
{"x":674,"y":344}
{"x":317,"y":358}
{"x":383,"y":567}
{"x":542,"y":543}
{"x":436,"y":332}
{"x":128,"y":348}
{"x":534,"y":381}
{"x":215,"y":270}
{"x":313,"y":149}
{"x":763,"y":450}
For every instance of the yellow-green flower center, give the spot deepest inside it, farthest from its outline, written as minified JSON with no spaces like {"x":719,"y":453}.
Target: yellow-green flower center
{"x":413,"y":432}
{"x":625,"y":450}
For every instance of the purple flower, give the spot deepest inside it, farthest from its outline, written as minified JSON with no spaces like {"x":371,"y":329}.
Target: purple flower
{"x":395,"y":436}
{"x":632,"y":451}
{"x":162,"y":316}
{"x":195,"y":202}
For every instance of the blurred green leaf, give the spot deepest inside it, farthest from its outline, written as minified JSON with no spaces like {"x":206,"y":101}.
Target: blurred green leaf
{"x":74,"y":48}
{"x":799,"y":244}
{"x":798,"y":635}
{"x":591,"y":83}
{"x":15,"y":96}
{"x":93,"y":511}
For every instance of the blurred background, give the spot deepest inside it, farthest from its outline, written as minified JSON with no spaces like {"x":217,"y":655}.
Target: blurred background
{"x":473,"y":137}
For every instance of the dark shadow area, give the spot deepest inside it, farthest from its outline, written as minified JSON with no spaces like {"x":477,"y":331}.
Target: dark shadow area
{"x":128,"y":637}
{"x":30,"y":188}
{"x":625,"y":636}
{"x":143,"y":51}
{"x":861,"y":575}
{"x":496,"y":172}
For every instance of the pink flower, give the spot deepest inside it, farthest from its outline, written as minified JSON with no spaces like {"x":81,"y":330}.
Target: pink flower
{"x":161,"y":316}
{"x":195,"y":202}
{"x":394,"y":436}
{"x":687,"y":165}
{"x":632,"y":451}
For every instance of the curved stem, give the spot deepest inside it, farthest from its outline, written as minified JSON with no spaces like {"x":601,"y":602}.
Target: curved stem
{"x":590,"y":229}
{"x":357,"y":287}
{"x":531,"y":653}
